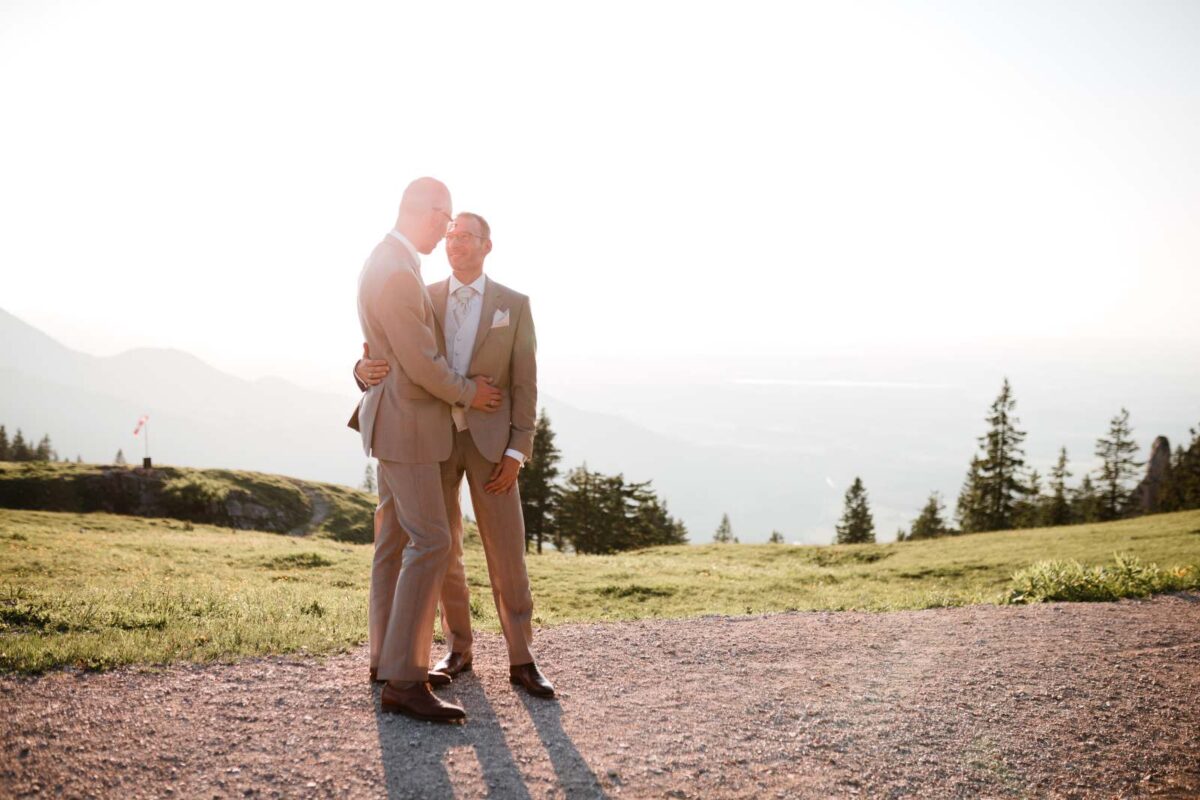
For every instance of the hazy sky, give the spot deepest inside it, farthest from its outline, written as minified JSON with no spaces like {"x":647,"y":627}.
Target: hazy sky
{"x":661,"y":178}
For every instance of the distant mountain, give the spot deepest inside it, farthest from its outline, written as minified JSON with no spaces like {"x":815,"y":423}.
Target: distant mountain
{"x":202,"y":417}
{"x":772,"y":442}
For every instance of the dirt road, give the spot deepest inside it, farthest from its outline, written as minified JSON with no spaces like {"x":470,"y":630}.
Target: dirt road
{"x":1088,"y":700}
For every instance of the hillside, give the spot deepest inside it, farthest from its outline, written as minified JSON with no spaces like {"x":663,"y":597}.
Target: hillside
{"x":225,"y":498}
{"x":98,"y":590}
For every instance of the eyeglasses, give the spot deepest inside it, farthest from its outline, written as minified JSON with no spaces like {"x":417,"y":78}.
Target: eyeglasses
{"x":461,"y":237}
{"x":446,"y":214}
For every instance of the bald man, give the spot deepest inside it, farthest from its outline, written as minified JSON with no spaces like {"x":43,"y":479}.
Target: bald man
{"x":405,"y":423}
{"x":488,"y":329}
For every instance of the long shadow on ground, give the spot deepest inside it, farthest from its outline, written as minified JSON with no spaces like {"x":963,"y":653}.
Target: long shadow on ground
{"x":433,"y":760}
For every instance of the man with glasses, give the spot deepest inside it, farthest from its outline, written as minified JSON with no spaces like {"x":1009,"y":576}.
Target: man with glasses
{"x":405,"y":422}
{"x":487,"y":330}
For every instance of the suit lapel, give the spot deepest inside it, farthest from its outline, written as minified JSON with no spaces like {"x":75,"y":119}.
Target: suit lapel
{"x":491,"y":301}
{"x":437,"y":295}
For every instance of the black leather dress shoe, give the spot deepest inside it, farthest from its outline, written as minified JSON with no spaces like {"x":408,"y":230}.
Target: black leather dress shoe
{"x":454,"y":663}
{"x":531,"y":679}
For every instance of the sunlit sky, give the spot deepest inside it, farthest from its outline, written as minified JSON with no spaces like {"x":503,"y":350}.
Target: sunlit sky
{"x":661,"y":178}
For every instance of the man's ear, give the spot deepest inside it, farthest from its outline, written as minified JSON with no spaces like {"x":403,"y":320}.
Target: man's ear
{"x":487,"y":246}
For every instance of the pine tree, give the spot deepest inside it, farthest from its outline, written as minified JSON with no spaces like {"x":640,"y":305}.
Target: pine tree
{"x":5,"y":455}
{"x":857,"y":525}
{"x":724,"y":532}
{"x":78,"y":459}
{"x":20,"y":450}
{"x":1085,"y":503}
{"x":970,"y":510}
{"x":368,"y":483}
{"x":1057,"y":509}
{"x":653,"y":523}
{"x":120,"y":459}
{"x":1182,"y":489}
{"x":43,"y":452}
{"x":536,"y":484}
{"x":775,"y":538}
{"x":1118,"y":467}
{"x":1027,"y":513}
{"x":1000,"y":468}
{"x":929,"y":524}
{"x":598,"y":513}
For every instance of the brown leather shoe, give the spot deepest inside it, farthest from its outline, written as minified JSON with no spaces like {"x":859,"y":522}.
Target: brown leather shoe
{"x":454,"y":663}
{"x":419,"y":701}
{"x":532,"y":679}
{"x":435,"y":678}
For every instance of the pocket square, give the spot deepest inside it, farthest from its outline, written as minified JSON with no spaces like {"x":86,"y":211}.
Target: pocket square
{"x":500,"y":318}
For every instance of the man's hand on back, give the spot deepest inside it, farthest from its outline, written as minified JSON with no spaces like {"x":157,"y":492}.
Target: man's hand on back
{"x":371,"y":370}
{"x":487,"y":397}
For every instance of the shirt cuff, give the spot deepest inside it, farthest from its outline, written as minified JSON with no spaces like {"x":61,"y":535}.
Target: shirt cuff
{"x":517,"y":455}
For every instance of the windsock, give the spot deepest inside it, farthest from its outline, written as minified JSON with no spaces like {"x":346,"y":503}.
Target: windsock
{"x":141,"y":424}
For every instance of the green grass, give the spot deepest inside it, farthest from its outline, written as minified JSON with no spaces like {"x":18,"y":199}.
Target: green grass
{"x":99,"y":590}
{"x":228,"y":498}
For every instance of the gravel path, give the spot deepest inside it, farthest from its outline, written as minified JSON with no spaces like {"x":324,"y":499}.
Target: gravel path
{"x":1087,"y":700}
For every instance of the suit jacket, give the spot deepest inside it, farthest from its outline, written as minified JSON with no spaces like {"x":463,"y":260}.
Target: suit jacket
{"x":406,"y":417}
{"x":505,"y":353}
{"x":508,"y":355}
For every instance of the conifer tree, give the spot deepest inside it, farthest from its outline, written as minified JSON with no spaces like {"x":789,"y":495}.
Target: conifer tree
{"x":724,"y":532}
{"x":78,"y":459}
{"x":1118,"y":467}
{"x":43,"y":452}
{"x":1027,"y":513}
{"x":5,"y":455}
{"x":1057,"y":509}
{"x":652,"y":522}
{"x":120,"y":459}
{"x":577,"y":503}
{"x":20,"y":450}
{"x":1000,"y":468}
{"x":775,"y":538}
{"x":1085,"y":502}
{"x":929,"y":523}
{"x":536,"y":481}
{"x":368,"y":483}
{"x":1182,"y":489}
{"x":970,"y":510}
{"x":598,"y":513}
{"x":857,"y":526}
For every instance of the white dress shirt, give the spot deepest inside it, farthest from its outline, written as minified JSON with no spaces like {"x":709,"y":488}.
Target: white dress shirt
{"x":460,"y":340}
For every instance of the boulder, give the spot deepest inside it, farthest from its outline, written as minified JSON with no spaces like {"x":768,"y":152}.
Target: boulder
{"x":1147,"y":495}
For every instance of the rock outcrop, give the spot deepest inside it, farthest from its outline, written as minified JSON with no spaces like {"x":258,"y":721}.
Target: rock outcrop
{"x":1147,"y":496}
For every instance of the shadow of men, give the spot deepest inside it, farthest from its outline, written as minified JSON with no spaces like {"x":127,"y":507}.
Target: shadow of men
{"x":429,"y":760}
{"x":575,"y":777}
{"x":419,"y":757}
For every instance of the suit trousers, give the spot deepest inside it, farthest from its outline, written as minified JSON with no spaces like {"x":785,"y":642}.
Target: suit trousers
{"x":502,"y":531}
{"x":412,"y":551}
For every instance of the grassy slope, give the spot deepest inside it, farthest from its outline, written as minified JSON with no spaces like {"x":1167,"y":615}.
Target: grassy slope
{"x":197,"y":495}
{"x":99,"y":590}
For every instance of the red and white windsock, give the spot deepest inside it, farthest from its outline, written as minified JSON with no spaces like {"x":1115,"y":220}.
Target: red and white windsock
{"x":141,"y":424}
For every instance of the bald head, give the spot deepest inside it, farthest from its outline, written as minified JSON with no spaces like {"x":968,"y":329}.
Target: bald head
{"x":425,"y":211}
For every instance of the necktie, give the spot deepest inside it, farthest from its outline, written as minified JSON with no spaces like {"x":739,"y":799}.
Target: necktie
{"x":461,"y":304}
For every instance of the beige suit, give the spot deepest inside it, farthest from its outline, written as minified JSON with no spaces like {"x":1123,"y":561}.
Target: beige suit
{"x":507,"y":354}
{"x":405,"y":423}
